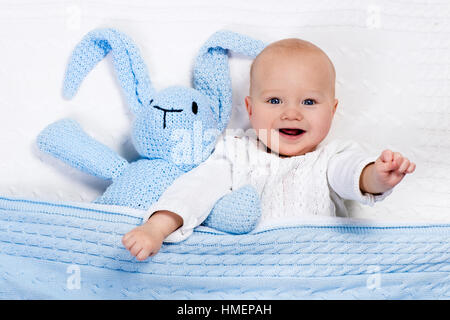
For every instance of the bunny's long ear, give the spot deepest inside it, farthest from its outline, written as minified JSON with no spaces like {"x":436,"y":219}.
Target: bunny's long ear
{"x":130,"y":68}
{"x":211,"y":71}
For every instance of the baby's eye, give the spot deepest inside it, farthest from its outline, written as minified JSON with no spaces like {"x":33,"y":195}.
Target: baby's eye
{"x":309,"y":102}
{"x":274,"y":101}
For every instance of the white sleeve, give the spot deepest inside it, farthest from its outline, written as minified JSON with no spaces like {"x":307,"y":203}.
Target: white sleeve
{"x":193,"y":195}
{"x":344,"y":172}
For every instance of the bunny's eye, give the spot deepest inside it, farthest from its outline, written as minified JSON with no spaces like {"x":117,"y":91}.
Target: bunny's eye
{"x":194,"y":107}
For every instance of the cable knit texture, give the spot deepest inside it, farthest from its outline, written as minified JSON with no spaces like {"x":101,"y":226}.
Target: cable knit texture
{"x":169,"y":126}
{"x":46,"y":246}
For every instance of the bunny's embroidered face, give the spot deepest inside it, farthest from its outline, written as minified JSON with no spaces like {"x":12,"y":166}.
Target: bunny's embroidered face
{"x":178,"y":124}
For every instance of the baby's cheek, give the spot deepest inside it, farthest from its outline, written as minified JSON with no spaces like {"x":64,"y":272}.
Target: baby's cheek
{"x":323,"y":125}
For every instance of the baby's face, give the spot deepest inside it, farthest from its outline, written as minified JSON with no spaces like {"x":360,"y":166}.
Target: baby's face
{"x":291,"y":103}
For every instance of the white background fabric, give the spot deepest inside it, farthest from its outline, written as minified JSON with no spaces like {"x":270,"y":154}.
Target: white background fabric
{"x":393,"y":82}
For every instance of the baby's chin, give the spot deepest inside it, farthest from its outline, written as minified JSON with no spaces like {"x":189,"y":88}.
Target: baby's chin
{"x":291,"y":151}
{"x":286,"y":149}
{"x":285,"y":154}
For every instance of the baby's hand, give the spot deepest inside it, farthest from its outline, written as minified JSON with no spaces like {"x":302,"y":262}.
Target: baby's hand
{"x":143,"y":241}
{"x":391,"y":168}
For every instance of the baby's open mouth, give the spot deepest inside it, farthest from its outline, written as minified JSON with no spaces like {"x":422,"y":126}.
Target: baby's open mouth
{"x":291,"y":131}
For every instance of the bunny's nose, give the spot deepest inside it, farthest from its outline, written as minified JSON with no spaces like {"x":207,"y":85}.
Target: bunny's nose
{"x":165,"y":112}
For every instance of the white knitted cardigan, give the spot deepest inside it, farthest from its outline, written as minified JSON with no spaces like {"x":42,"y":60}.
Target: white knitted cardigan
{"x":313,"y":184}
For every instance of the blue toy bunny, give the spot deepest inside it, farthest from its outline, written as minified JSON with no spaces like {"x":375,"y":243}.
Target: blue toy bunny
{"x":161,"y":120}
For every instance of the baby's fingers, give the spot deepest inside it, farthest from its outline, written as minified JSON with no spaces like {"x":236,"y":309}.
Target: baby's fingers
{"x":135,"y":249}
{"x":128,"y":240}
{"x":387,"y":156}
{"x":398,"y":160}
{"x":404,"y":166}
{"x":386,"y":162}
{"x":395,"y":162}
{"x":143,"y":254}
{"x":411,"y":168}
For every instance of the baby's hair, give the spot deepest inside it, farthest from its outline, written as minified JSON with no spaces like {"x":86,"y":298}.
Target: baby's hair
{"x":291,"y":45}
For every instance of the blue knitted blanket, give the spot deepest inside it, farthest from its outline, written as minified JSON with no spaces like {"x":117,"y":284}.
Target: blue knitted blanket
{"x":73,"y":251}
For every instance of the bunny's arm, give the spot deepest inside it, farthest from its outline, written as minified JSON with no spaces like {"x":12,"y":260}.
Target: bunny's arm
{"x":67,"y":141}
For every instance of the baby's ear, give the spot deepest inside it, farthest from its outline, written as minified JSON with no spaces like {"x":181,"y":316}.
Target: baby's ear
{"x":336,"y":101}
{"x":248,"y":105}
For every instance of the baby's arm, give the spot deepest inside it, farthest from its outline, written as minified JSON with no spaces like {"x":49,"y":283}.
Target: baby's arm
{"x":146,"y":240}
{"x":351,"y":174}
{"x":387,"y":171}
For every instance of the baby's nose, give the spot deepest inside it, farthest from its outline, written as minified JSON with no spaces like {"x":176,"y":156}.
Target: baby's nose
{"x":292,"y":113}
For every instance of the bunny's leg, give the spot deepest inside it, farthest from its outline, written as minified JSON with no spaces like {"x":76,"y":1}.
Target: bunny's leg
{"x":237,"y":212}
{"x":67,"y":141}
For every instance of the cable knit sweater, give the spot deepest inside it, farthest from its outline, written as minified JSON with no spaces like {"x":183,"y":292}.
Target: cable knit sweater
{"x":315,"y":183}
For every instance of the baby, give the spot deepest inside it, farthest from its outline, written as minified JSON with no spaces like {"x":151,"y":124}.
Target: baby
{"x":291,"y":106}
